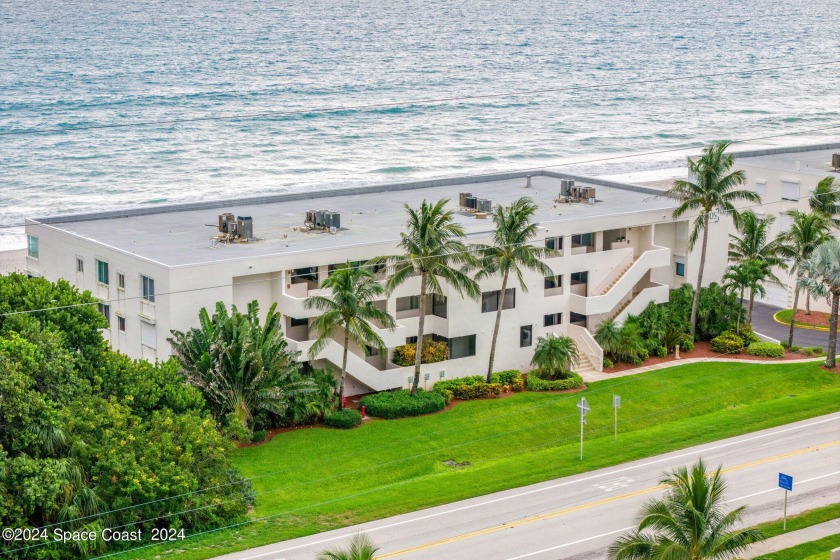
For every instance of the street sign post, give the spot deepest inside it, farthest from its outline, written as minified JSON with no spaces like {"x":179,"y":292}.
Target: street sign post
{"x":583,"y":406}
{"x":786,"y":482}
{"x":616,"y":406}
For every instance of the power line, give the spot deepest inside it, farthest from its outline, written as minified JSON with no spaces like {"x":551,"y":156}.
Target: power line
{"x":426,"y":101}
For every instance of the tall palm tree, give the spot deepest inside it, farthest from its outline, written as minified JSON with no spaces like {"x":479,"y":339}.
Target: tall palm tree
{"x":433,"y":249}
{"x":240,"y":365}
{"x":361,"y":548}
{"x":689,"y":522}
{"x":511,"y":253}
{"x":807,"y":231}
{"x":555,"y":354}
{"x":754,"y":246}
{"x":349,"y":310}
{"x":710,"y":188}
{"x":826,"y":200}
{"x":737,"y":278}
{"x":608,"y":336}
{"x":821,"y":277}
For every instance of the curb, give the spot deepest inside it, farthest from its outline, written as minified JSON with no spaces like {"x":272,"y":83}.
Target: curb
{"x":799,"y":325}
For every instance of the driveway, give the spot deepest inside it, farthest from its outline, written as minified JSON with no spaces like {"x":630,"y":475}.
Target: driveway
{"x":763,"y":323}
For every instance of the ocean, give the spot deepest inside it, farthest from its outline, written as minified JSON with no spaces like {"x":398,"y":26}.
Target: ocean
{"x":65,"y":65}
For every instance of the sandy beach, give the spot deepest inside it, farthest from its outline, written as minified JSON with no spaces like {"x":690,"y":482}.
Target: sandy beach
{"x":12,"y":261}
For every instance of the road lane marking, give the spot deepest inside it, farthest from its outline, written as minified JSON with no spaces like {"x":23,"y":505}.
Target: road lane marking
{"x":578,"y":479}
{"x":589,"y":505}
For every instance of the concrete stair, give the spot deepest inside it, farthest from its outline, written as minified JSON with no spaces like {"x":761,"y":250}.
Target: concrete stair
{"x":617,"y":278}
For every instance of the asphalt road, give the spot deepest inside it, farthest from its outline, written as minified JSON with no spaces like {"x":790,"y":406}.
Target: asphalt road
{"x":763,"y":323}
{"x":576,"y":518}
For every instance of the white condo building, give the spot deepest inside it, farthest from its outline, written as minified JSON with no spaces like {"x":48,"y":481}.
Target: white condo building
{"x":154,"y":268}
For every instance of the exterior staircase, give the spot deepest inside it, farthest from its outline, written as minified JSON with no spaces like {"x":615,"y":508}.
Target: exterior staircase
{"x":616,"y":279}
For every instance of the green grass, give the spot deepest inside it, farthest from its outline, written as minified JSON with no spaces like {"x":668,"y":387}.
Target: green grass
{"x":315,"y":480}
{"x":814,"y":550}
{"x":801,"y":521}
{"x":787,"y":314}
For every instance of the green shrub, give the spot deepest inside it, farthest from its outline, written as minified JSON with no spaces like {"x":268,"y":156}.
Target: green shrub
{"x":785,"y":344}
{"x":343,"y":419}
{"x":433,"y":352}
{"x":661,"y":352}
{"x":259,"y":436}
{"x":811,"y":351}
{"x":447,"y":394}
{"x":747,"y":335}
{"x":817,"y":349}
{"x":512,"y":379}
{"x":570,"y":381}
{"x":791,"y":348}
{"x":608,"y":363}
{"x":686,"y":345}
{"x":727,"y":343}
{"x":399,"y":404}
{"x":766,"y":349}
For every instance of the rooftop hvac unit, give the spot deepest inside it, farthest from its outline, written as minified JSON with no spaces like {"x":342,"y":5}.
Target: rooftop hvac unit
{"x":471,"y":202}
{"x":483,"y":205}
{"x":224,"y":220}
{"x":577,"y":192}
{"x":462,"y":199}
{"x":587,"y":192}
{"x":245,"y":227}
{"x":835,"y":161}
{"x":310,"y":217}
{"x":566,"y":187}
{"x":320,"y":218}
{"x":332,"y":220}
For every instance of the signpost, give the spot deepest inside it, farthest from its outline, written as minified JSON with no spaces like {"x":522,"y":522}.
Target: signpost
{"x":583,"y":406}
{"x":616,"y":406}
{"x":786,"y":482}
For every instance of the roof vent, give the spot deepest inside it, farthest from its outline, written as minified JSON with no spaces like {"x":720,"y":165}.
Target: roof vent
{"x":835,"y":161}
{"x":322,"y":220}
{"x":527,"y":181}
{"x":239,"y":228}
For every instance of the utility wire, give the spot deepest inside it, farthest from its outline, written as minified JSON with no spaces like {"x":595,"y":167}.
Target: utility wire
{"x":427,"y":101}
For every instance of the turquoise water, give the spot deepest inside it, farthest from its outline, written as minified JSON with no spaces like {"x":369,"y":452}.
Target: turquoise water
{"x":70,"y":64}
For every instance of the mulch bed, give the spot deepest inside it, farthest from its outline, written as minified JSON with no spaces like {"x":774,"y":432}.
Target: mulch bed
{"x":815,"y":319}
{"x":701,"y":350}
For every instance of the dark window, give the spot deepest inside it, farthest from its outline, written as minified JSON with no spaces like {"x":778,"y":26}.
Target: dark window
{"x":411,"y":340}
{"x":583,"y":239}
{"x":105,"y":309}
{"x":102,"y":272}
{"x":680,"y":269}
{"x":553,"y":281}
{"x":462,"y":346}
{"x":80,"y":265}
{"x":32,"y":246}
{"x":120,"y":280}
{"x":295,"y":322}
{"x":439,"y":306}
{"x":303,"y":274}
{"x":577,"y":318}
{"x":148,"y":291}
{"x":554,"y":243}
{"x":490,"y":300}
{"x":121,"y":323}
{"x":580,"y":277}
{"x":526,"y":336}
{"x":552,"y":319}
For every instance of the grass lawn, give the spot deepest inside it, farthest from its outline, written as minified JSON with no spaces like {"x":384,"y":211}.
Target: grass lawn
{"x":801,"y":521}
{"x":785,"y":316}
{"x":315,"y":480}
{"x":814,"y":550}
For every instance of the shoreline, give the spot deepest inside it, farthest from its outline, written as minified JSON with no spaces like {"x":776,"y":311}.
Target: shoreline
{"x":12,"y":260}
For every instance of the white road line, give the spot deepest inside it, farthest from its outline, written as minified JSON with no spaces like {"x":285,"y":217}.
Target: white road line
{"x":538,"y":490}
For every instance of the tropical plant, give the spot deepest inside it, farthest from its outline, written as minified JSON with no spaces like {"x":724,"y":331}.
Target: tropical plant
{"x":738,"y":278}
{"x":826,"y":200}
{"x":673,"y":338}
{"x":710,"y":188}
{"x":555,"y":354}
{"x":608,"y":336}
{"x":632,"y":349}
{"x":240,"y":365}
{"x":511,"y":253}
{"x":361,"y":547}
{"x":689,"y":522}
{"x":349,"y":310}
{"x":433,"y":249}
{"x":717,"y":311}
{"x":807,"y":231}
{"x":821,"y":278}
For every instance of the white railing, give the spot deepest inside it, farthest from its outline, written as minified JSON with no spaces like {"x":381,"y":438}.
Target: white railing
{"x":588,"y":347}
{"x":618,"y":270}
{"x":657,"y":294}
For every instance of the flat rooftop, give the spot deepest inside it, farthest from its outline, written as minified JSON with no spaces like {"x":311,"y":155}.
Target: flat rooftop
{"x":811,"y":160}
{"x":181,"y":235}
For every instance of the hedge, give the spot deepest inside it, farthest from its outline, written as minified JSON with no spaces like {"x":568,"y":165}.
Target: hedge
{"x":766,"y":349}
{"x":399,"y":404}
{"x":535,"y":383}
{"x":433,"y":352}
{"x":468,"y":388}
{"x":343,"y":419}
{"x":727,"y":343}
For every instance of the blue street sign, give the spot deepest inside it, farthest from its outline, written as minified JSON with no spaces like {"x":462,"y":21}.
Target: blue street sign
{"x":785,"y":481}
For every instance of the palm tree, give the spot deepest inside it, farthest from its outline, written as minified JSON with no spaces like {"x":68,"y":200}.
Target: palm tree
{"x":511,"y":253}
{"x":689,"y":522}
{"x":361,"y":548}
{"x":555,"y":354}
{"x":738,"y":277}
{"x":807,"y":231}
{"x":608,"y":337}
{"x":710,"y":188}
{"x":672,"y":338}
{"x":826,"y":200}
{"x":821,"y":277}
{"x":753,"y":245}
{"x":240,"y":365}
{"x":349,"y":310}
{"x":433,"y":250}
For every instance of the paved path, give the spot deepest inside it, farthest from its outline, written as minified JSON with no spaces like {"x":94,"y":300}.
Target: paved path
{"x":12,"y":261}
{"x":763,"y":323}
{"x":794,"y":538}
{"x":576,"y":518}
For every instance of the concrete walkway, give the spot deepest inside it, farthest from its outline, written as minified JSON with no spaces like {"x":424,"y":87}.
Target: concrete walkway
{"x":763,"y":323}
{"x":794,"y":538}
{"x":597,"y":376}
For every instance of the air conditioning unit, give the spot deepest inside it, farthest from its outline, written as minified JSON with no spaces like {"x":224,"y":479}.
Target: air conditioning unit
{"x":835,"y":161}
{"x":332,"y":220}
{"x":245,"y":227}
{"x":483,"y":205}
{"x":566,"y":186}
{"x":224,"y":220}
{"x":320,"y":219}
{"x":471,"y":202}
{"x":587,"y":192}
{"x":462,"y":199}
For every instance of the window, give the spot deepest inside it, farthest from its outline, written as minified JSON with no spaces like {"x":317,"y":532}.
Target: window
{"x":121,"y":323}
{"x":552,"y":319}
{"x":148,"y":288}
{"x":553,"y":281}
{"x":577,"y":318}
{"x":80,"y":265}
{"x":580,"y":277}
{"x":304,"y":274}
{"x":761,"y":188}
{"x":102,"y":272}
{"x":411,"y":340}
{"x":461,"y":347}
{"x":32,"y":246}
{"x":120,"y":280}
{"x":295,"y":322}
{"x":554,"y":243}
{"x":148,"y":334}
{"x":582,"y":239}
{"x":490,"y":300}
{"x":790,"y":190}
{"x":105,"y":309}
{"x":526,"y":336}
{"x":439,"y":306}
{"x":680,"y":269}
